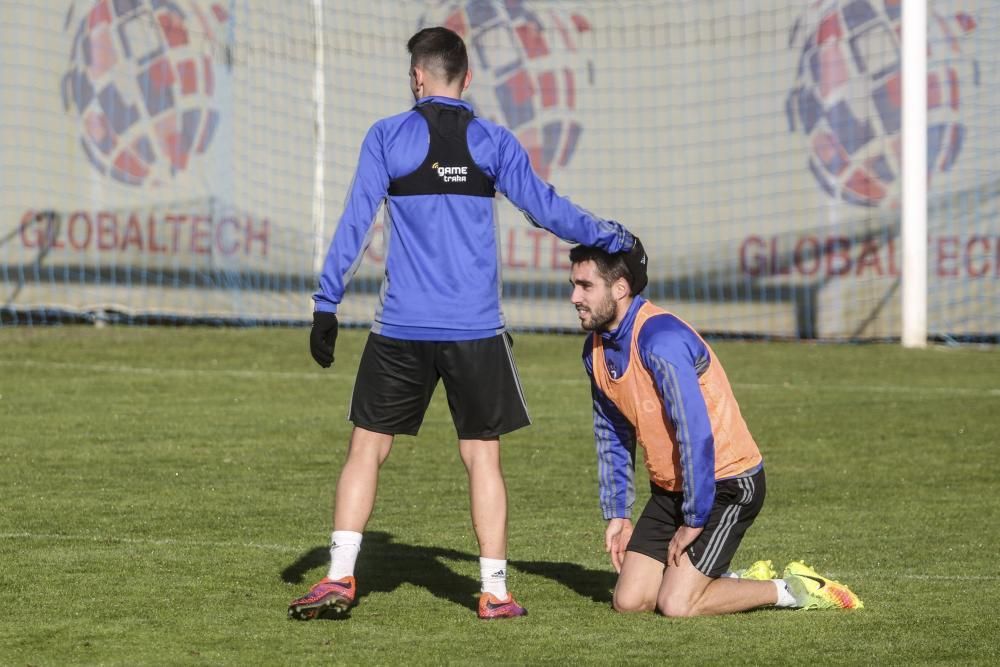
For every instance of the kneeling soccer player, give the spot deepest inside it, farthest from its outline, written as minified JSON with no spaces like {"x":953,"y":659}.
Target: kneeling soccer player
{"x":655,"y":380}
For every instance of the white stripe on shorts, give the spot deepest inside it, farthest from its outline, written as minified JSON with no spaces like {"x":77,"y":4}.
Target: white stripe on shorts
{"x":730,"y":516}
{"x":517,"y":378}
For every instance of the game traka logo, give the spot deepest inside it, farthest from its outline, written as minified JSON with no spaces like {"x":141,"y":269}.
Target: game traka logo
{"x":141,"y":82}
{"x":848,"y":95}
{"x":526,"y":71}
{"x":451,"y":174}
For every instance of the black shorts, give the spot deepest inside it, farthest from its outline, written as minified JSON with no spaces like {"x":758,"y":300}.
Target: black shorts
{"x":737,"y":504}
{"x":396,"y":379}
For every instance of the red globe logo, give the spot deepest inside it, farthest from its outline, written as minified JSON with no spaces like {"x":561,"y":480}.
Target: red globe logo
{"x":528,"y":71}
{"x":847,"y":97}
{"x":141,"y":82}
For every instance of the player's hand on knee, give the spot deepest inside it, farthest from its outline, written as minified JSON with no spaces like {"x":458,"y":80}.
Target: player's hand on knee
{"x":323,"y":337}
{"x":616,"y":537}
{"x":682,"y":539}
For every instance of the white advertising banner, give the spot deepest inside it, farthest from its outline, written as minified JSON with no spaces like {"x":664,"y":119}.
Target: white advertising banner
{"x":190,"y":158}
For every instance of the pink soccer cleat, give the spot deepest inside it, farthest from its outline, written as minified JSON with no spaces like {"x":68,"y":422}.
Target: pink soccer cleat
{"x":326,"y":594}
{"x":491,"y":607}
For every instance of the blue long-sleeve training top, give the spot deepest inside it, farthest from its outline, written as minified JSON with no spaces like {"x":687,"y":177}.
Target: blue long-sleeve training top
{"x":442,"y":261}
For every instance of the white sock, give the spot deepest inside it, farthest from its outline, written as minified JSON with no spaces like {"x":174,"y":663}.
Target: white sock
{"x":729,"y":574}
{"x":785,"y":597}
{"x":344,"y":548}
{"x":493,"y":574}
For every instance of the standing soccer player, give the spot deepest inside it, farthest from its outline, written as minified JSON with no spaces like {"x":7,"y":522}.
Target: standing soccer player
{"x":655,"y":380}
{"x":438,"y":167}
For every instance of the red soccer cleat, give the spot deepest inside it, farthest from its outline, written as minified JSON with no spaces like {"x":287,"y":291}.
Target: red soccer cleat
{"x":491,"y":607}
{"x":326,"y":594}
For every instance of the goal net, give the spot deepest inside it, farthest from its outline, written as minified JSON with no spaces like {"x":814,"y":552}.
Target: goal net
{"x":188,"y":160}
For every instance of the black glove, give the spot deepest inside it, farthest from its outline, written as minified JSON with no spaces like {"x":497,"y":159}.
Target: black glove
{"x":323,"y":337}
{"x":635,"y":262}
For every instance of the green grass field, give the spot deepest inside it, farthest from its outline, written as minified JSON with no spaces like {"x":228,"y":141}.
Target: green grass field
{"x":166,"y":492}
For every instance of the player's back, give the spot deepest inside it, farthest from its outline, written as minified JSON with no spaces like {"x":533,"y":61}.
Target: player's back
{"x":442,"y":274}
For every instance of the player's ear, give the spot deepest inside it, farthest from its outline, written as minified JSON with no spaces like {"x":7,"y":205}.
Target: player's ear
{"x":416,"y":80}
{"x":468,"y":79}
{"x":620,"y":289}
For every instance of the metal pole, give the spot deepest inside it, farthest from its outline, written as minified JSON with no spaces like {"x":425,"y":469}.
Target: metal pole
{"x":319,"y":99}
{"x":914,"y":214}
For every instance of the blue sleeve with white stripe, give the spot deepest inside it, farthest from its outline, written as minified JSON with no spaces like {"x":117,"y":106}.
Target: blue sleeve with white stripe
{"x":615,"y":442}
{"x":676,"y":356}
{"x":369,"y":187}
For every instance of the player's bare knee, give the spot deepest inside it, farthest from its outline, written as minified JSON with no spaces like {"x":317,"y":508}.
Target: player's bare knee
{"x":365,"y":454}
{"x":631,"y":609}
{"x":483,"y":454}
{"x":675,"y":606}
{"x":369,"y":445}
{"x":627,"y":604}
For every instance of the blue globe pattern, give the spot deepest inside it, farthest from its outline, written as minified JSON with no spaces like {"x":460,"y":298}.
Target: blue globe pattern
{"x":847,"y":98}
{"x":528,"y":71}
{"x":141,"y":83}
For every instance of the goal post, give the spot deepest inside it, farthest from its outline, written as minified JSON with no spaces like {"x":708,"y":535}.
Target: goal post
{"x":914,"y":137}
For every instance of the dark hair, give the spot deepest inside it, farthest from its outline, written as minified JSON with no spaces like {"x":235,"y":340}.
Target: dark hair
{"x":610,"y":267}
{"x":439,"y":49}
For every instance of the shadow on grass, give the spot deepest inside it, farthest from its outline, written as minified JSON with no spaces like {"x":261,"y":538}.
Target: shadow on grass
{"x":594,"y":584}
{"x":386,"y":564}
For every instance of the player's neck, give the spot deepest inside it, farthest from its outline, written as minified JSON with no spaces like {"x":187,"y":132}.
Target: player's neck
{"x":442,"y":91}
{"x":621,"y":310}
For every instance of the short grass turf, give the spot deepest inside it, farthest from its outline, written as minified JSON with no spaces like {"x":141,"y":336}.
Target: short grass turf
{"x":167,"y":491}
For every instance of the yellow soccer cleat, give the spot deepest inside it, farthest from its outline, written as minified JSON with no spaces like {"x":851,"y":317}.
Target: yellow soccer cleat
{"x":760,"y":570}
{"x":814,"y":591}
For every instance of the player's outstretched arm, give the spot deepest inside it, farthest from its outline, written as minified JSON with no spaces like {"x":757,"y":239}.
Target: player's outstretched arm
{"x":546,"y":208}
